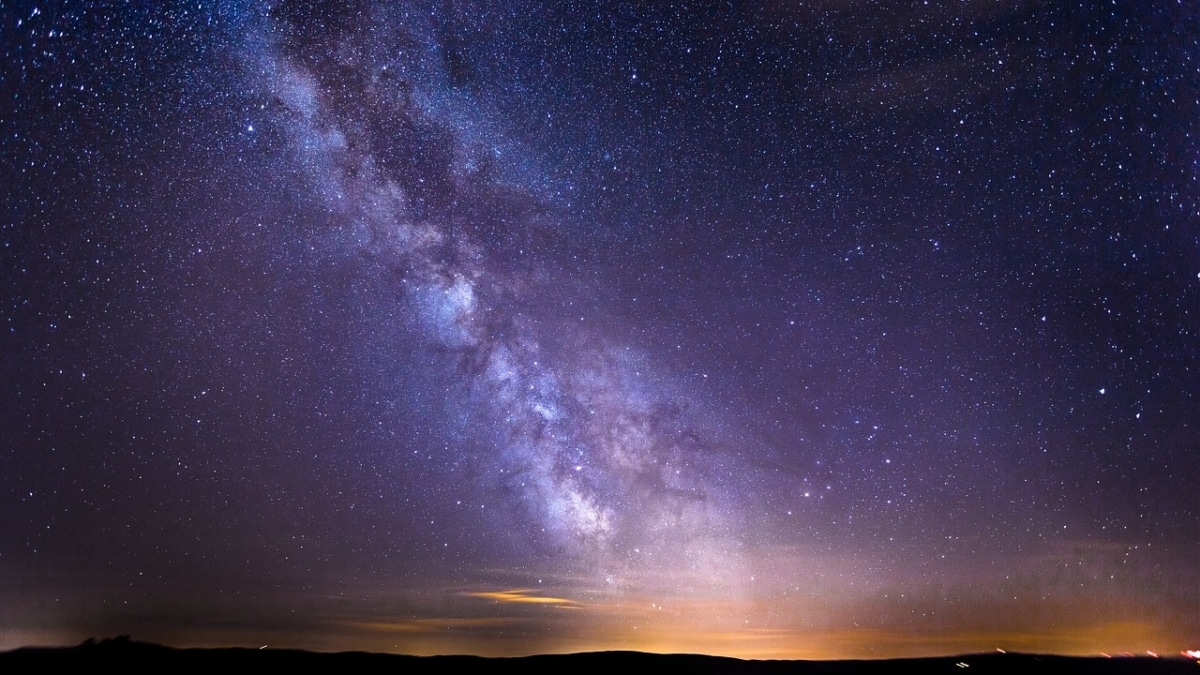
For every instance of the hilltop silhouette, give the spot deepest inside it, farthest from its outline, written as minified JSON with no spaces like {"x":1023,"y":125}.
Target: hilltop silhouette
{"x":124,"y":652}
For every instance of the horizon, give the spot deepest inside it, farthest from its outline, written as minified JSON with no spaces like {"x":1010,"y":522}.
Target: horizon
{"x":816,"y":331}
{"x":130,"y":641}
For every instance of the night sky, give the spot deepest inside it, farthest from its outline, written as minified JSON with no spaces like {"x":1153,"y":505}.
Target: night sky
{"x":816,"y":329}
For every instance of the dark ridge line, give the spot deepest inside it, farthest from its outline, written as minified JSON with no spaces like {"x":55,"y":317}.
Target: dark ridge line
{"x":124,"y":651}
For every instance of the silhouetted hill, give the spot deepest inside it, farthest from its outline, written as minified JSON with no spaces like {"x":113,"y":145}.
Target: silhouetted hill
{"x":123,"y":653}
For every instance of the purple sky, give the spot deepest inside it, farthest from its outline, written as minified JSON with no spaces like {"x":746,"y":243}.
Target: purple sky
{"x":817,"y":330}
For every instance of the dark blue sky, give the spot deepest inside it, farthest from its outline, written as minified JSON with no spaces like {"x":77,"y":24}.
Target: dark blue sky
{"x":815,"y":330}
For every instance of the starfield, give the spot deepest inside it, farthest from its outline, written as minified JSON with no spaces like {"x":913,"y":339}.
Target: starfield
{"x":818,"y":330}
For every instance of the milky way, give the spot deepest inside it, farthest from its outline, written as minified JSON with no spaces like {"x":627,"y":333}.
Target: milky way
{"x":600,"y":457}
{"x":812,"y":331}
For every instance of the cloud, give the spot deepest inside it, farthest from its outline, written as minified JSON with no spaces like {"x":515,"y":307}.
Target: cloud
{"x":522,"y":596}
{"x":436,"y":624}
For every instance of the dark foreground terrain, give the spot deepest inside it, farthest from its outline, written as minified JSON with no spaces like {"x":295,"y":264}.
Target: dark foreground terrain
{"x":122,"y":654}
